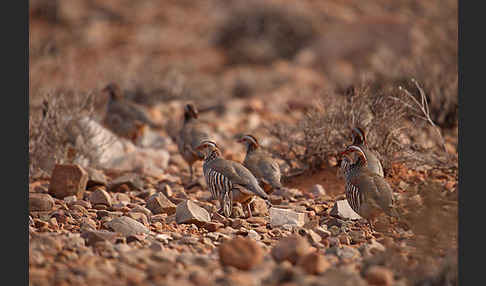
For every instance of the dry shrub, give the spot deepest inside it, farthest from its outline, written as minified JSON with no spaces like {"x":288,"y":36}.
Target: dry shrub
{"x":259,"y":33}
{"x":386,"y":113}
{"x":50,"y":140}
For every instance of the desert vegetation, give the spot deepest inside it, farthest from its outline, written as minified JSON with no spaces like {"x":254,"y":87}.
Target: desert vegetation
{"x":298,"y":76}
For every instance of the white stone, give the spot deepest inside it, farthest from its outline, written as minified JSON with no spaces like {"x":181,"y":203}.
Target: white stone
{"x":279,"y":217}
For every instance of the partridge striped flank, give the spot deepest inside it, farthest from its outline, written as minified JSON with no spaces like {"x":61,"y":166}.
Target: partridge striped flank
{"x":367,"y":193}
{"x":228,"y":181}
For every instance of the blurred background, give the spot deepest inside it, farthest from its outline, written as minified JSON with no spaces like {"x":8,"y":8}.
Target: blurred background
{"x":264,"y":62}
{"x":216,"y":50}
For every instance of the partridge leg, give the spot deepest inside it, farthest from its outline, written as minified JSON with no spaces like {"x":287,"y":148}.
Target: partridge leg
{"x":248,"y":210}
{"x":192,"y":172}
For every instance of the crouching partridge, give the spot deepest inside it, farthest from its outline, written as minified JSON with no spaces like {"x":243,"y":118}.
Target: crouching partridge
{"x":262,"y":166}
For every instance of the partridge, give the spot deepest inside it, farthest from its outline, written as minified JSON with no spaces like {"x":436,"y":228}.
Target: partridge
{"x":368,"y":193}
{"x":262,"y":166}
{"x":229,"y":181}
{"x":125,"y":118}
{"x":191,"y":135}
{"x":359,"y":139}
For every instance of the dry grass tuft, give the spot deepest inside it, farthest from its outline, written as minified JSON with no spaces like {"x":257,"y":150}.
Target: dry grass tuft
{"x":50,"y":141}
{"x":387,"y":113}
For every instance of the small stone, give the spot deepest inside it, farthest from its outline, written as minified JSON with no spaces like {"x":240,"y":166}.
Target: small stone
{"x":238,"y":223}
{"x":276,"y":200}
{"x":212,"y":226}
{"x":379,"y":275}
{"x":167,"y":190}
{"x":280,"y":217}
{"x":291,"y":248}
{"x":100,"y":207}
{"x":70,"y":199}
{"x":127,"y":226}
{"x":348,"y":252}
{"x":240,"y":252}
{"x":82,"y":203}
{"x":147,"y":193}
{"x":131,"y":180}
{"x":93,"y":236}
{"x":156,"y":246}
{"x":100,"y":197}
{"x":324,"y":233}
{"x":140,"y":217}
{"x":313,"y":237}
{"x":317,"y":191}
{"x":141,"y":209}
{"x":314,"y":263}
{"x":403,"y":185}
{"x":371,"y":248}
{"x":257,"y":220}
{"x":122,"y":198}
{"x":288,"y":193}
{"x":68,"y":180}
{"x":259,"y":207}
{"x":95,"y":177}
{"x":188,"y":212}
{"x":253,"y":235}
{"x":158,"y":203}
{"x":40,"y":202}
{"x":357,"y":236}
{"x":344,"y":239}
{"x":342,"y":209}
{"x":188,"y":240}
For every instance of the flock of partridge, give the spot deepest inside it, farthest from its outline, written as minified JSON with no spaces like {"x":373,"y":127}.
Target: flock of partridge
{"x":228,"y":181}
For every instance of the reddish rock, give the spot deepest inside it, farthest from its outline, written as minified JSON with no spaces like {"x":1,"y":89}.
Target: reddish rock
{"x":158,"y":203}
{"x":40,"y":202}
{"x":100,"y":197}
{"x":259,"y":207}
{"x":189,"y":212}
{"x":212,"y":226}
{"x":379,"y":275}
{"x":127,"y":226}
{"x":291,"y":248}
{"x":93,"y":236}
{"x":314,"y":263}
{"x":68,"y":180}
{"x":240,"y":252}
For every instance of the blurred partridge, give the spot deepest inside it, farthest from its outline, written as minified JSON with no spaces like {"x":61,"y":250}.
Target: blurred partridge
{"x":229,"y":181}
{"x":125,"y":118}
{"x":263,"y":167}
{"x":192,"y":134}
{"x":368,"y":193}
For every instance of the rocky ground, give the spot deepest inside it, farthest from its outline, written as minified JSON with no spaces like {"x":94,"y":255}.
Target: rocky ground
{"x":110,"y":211}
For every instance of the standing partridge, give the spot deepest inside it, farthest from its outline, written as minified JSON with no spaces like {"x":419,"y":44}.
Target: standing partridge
{"x":229,"y":181}
{"x":263,"y":167}
{"x":359,"y":139}
{"x":192,"y":134}
{"x":368,"y":193}
{"x":125,"y":118}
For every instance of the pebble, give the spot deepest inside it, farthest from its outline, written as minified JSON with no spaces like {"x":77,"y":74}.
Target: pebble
{"x":68,"y":180}
{"x":240,"y":252}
